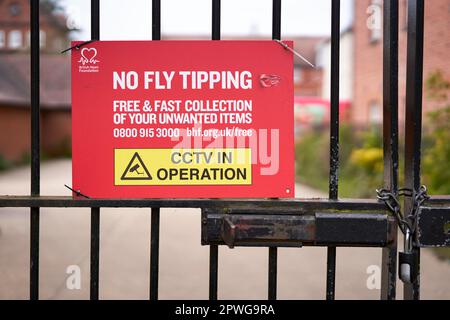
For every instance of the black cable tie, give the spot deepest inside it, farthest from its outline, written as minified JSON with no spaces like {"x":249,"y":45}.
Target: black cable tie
{"x":78,"y":46}
{"x":77,"y":192}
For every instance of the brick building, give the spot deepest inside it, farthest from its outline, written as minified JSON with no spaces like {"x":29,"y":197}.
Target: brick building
{"x":307,"y":80}
{"x":15,"y":30}
{"x":15,"y":105}
{"x":368,"y":52}
{"x":15,"y":81}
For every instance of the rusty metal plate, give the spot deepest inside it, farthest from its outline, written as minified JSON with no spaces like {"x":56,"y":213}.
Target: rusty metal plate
{"x":433,"y":227}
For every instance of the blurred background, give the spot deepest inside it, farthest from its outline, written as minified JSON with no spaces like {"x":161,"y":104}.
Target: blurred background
{"x":65,"y":236}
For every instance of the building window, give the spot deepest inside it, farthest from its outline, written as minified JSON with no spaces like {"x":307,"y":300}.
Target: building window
{"x":2,"y":39}
{"x":15,"y":39}
{"x":297,"y":75}
{"x":28,"y":39}
{"x":374,"y":21}
{"x":405,"y":18}
{"x":15,"y":9}
{"x":42,"y":39}
{"x":375,"y":113}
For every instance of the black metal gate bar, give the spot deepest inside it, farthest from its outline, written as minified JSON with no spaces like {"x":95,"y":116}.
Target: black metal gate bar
{"x":154,"y":253}
{"x":273,"y":252}
{"x":273,"y":264}
{"x":95,"y":253}
{"x":413,"y":121}
{"x":156,"y":19}
{"x":334,"y":134}
{"x":390,"y":136}
{"x":95,"y":211}
{"x":35,"y":98}
{"x":439,"y":200}
{"x":216,"y":15}
{"x":213,"y":271}
{"x":214,"y":249}
{"x":35,"y":148}
{"x":156,"y":211}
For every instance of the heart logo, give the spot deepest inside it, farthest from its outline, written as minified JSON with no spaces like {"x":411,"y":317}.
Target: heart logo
{"x":88,"y":55}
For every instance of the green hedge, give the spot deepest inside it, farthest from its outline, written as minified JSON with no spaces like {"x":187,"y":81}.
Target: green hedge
{"x":361,"y":161}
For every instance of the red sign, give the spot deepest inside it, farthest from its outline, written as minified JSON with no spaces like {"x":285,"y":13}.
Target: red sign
{"x":183,"y":119}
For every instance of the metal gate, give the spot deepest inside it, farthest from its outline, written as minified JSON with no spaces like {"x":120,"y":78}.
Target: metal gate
{"x":275,"y":223}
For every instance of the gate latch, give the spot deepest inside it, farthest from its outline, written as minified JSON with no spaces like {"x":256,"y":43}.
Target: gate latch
{"x":228,"y":232}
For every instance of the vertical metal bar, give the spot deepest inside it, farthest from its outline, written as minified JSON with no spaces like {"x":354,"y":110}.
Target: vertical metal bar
{"x":95,"y":253}
{"x":155,"y":212}
{"x":390,"y":94}
{"x":213,"y":271}
{"x":95,"y":212}
{"x":154,"y":253}
{"x":276,"y":20}
{"x":334,"y":134}
{"x":390,"y":135}
{"x":35,"y":98}
{"x":334,"y":100}
{"x":156,"y":19}
{"x":95,"y":19}
{"x":35,"y":148}
{"x":34,"y":254}
{"x":216,"y":6}
{"x":272,"y":292}
{"x":331,"y":273}
{"x":413,"y":121}
{"x":214,"y":249}
{"x":273,"y":252}
{"x":389,"y":269}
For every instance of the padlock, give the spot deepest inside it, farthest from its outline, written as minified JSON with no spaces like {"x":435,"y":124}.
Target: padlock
{"x":408,"y":266}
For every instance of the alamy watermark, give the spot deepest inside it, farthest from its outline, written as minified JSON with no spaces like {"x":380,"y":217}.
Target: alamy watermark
{"x":73,"y":281}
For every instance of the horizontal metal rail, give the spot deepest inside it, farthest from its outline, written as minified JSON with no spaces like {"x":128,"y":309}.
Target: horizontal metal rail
{"x":294,"y":205}
{"x":438,"y":201}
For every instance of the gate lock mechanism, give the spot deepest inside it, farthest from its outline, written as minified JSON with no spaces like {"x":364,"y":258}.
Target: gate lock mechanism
{"x":408,"y":262}
{"x":409,"y":259}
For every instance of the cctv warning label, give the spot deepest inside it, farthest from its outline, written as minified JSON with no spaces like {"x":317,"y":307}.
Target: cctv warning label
{"x":179,"y":167}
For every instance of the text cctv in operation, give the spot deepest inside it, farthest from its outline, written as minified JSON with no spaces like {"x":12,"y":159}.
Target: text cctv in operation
{"x":163,"y":80}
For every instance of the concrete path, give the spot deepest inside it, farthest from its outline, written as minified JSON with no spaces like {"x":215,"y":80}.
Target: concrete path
{"x":124,"y":270}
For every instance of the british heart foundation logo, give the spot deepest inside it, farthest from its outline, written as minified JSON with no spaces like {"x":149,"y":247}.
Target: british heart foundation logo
{"x":88,"y":61}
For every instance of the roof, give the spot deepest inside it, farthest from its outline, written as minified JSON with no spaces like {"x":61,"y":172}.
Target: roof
{"x":50,"y":13}
{"x":305,"y":45}
{"x":56,"y":75}
{"x":346,"y":31}
{"x":55,"y":85}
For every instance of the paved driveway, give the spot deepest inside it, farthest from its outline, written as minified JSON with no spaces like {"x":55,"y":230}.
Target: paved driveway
{"x":124,"y":270}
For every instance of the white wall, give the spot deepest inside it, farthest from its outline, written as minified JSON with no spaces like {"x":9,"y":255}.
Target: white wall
{"x":346,"y":66}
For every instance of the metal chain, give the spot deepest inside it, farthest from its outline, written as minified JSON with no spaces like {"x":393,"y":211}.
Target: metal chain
{"x":405,"y":222}
{"x":393,"y":203}
{"x":420,"y":197}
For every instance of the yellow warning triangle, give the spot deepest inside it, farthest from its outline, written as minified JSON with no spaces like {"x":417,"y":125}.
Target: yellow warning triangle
{"x":136,"y":169}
